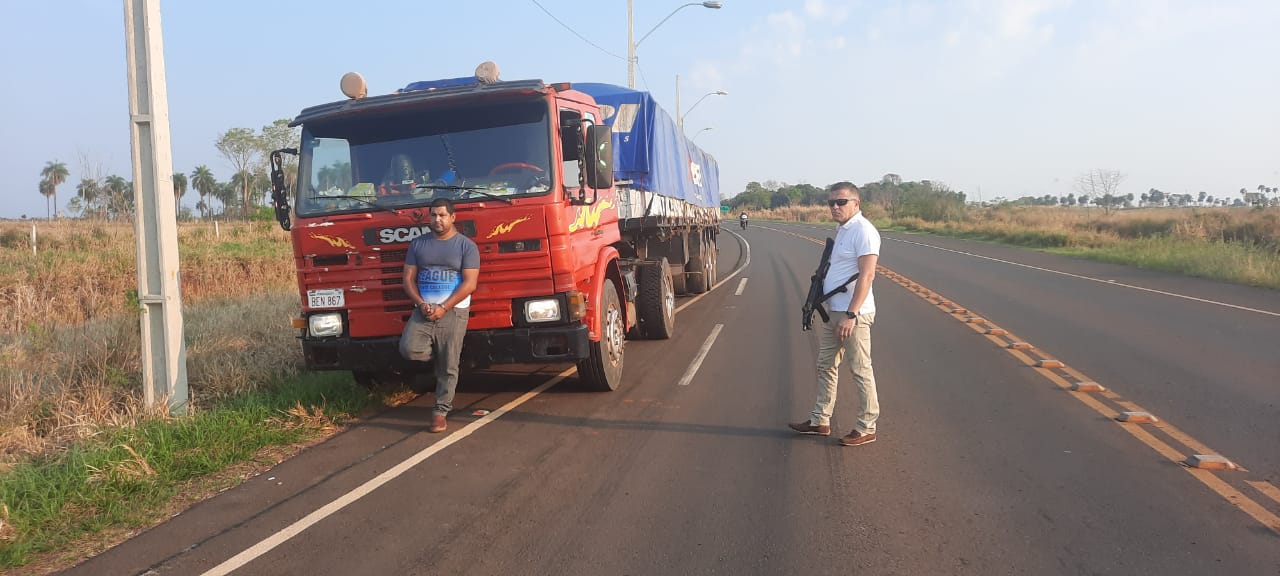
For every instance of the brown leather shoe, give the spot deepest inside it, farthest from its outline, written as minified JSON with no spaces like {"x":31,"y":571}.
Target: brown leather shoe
{"x":856,"y":438}
{"x":437,"y":424}
{"x":807,"y":428}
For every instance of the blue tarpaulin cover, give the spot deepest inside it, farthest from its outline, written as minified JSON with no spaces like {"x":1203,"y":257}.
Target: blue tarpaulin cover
{"x":649,"y":149}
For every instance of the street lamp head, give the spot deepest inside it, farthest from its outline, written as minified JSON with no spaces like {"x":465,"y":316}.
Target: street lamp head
{"x":713,"y":4}
{"x":721,"y":93}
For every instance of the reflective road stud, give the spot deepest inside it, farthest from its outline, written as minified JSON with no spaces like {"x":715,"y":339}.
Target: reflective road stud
{"x":959,"y":311}
{"x":1137,"y":417}
{"x":1210,"y":462}
{"x":1049,"y":364}
{"x":1087,"y":387}
{"x":996,"y":331}
{"x":1020,"y":346}
{"x":974,"y":320}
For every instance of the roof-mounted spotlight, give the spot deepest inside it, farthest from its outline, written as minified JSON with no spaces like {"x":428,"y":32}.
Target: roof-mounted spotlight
{"x":353,"y":85}
{"x":487,"y":72}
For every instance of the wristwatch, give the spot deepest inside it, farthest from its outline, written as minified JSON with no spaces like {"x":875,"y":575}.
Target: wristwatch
{"x":851,"y":315}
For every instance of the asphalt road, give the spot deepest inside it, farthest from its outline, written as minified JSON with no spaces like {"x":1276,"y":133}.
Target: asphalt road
{"x":984,"y":464}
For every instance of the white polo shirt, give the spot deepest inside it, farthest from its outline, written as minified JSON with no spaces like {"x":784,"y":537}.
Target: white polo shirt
{"x":857,"y":237}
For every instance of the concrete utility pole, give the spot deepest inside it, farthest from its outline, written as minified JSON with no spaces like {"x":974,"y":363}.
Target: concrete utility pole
{"x":164,"y":353}
{"x":631,"y":48}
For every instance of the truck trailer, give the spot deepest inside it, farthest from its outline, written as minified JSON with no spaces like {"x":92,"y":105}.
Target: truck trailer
{"x":590,"y":208}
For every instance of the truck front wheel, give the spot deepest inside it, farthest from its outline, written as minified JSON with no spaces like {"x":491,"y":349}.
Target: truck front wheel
{"x":602,"y":370}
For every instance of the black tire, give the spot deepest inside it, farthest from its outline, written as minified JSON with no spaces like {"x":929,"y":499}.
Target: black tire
{"x":656,"y":302}
{"x":602,"y":370}
{"x":365,"y":378}
{"x":388,"y":378}
{"x":696,"y":274}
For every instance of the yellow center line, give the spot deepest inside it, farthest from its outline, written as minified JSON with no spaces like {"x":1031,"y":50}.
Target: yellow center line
{"x":1266,"y":488}
{"x":1138,"y":431}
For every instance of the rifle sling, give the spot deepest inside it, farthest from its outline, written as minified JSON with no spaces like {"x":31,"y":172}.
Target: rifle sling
{"x":843,"y":288}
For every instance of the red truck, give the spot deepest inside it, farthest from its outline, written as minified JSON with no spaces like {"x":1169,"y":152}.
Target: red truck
{"x":591,"y":211}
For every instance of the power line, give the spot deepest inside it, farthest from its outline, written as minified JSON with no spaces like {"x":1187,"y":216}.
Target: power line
{"x":575,"y":32}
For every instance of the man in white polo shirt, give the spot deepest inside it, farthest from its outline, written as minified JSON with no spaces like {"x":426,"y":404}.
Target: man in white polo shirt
{"x":846,"y":338}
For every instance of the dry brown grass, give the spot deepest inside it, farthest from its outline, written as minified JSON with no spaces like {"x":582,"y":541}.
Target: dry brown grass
{"x":85,"y":270}
{"x":69,"y":335}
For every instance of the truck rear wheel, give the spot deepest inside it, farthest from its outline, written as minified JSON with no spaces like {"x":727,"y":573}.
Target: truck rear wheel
{"x":656,"y":303}
{"x":696,"y":274}
{"x":602,"y":370}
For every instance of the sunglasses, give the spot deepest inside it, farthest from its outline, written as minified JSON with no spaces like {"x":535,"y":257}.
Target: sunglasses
{"x":838,"y":201}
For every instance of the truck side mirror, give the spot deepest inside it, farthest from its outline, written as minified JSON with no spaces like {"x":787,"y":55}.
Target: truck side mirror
{"x":599,"y":157}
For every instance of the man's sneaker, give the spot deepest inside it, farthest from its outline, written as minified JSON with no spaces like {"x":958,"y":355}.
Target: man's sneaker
{"x":437,"y":424}
{"x":807,"y":428}
{"x":856,"y":438}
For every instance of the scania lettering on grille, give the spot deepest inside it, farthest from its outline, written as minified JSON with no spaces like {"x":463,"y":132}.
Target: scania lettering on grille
{"x":395,"y":235}
{"x":402,"y":234}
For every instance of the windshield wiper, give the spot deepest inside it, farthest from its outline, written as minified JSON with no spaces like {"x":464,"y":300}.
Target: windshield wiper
{"x":361,"y":199}
{"x":477,"y":189}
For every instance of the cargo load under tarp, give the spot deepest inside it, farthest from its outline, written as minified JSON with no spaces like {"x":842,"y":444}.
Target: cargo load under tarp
{"x":651,"y":153}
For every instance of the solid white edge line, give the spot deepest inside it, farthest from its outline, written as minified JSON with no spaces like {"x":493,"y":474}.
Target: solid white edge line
{"x":1091,"y":279}
{"x":702,"y":354}
{"x":280,"y":537}
{"x":741,"y":286}
{"x":284,"y":535}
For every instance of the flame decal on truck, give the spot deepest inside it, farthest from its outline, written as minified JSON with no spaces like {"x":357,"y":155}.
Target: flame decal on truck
{"x":503,"y":228}
{"x":589,"y":216}
{"x":334,"y":241}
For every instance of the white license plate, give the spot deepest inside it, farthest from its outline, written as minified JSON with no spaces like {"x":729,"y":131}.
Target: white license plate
{"x":326,"y":298}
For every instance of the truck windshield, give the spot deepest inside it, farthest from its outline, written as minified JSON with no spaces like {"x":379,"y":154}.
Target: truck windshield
{"x":411,"y":156}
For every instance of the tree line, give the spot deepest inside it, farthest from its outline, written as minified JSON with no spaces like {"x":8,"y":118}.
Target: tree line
{"x":926,"y":199}
{"x":111,"y":197}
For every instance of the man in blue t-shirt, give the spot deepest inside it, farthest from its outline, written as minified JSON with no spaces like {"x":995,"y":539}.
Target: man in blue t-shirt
{"x":440,"y":273}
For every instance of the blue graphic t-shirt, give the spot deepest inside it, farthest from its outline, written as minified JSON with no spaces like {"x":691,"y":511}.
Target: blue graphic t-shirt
{"x":440,"y":264}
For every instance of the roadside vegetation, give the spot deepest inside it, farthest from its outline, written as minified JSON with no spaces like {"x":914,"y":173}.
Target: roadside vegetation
{"x":1238,"y":244}
{"x":82,"y":459}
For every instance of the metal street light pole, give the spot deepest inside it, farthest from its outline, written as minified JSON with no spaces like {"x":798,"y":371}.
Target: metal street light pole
{"x":699,"y":133}
{"x":680,"y":117}
{"x":632,"y":44}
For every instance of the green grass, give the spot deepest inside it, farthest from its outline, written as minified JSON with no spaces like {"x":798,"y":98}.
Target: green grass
{"x":1229,"y":261}
{"x":125,"y":477}
{"x":1235,"y":262}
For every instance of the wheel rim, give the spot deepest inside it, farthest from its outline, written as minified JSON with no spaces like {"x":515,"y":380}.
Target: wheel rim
{"x":668,"y":297}
{"x":613,"y":335}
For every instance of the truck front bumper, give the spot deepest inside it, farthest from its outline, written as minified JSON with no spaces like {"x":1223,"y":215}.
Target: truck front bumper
{"x":480,"y":348}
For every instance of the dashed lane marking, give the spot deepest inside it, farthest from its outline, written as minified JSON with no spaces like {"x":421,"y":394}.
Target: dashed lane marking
{"x":702,"y":355}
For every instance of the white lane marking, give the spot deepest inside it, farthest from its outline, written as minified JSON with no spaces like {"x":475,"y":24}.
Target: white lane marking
{"x":1098,"y":280}
{"x":741,"y":286}
{"x":269,"y":543}
{"x":702,"y":354}
{"x":239,"y":560}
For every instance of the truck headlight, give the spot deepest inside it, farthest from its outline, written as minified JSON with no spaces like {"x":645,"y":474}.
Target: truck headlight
{"x":324,"y":325}
{"x":546,"y":310}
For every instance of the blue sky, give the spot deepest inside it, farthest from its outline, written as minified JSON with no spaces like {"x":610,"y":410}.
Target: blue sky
{"x":995,"y":98}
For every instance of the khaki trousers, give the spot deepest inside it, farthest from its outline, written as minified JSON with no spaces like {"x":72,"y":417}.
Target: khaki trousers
{"x":854,"y":352}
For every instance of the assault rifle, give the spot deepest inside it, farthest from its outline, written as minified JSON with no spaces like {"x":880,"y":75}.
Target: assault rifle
{"x":813,"y":302}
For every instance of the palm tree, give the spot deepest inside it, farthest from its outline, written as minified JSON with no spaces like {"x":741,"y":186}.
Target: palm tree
{"x":116,"y":187}
{"x":179,"y":188}
{"x":46,"y":190}
{"x":56,"y":173}
{"x":88,"y":190}
{"x":203,"y":181}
